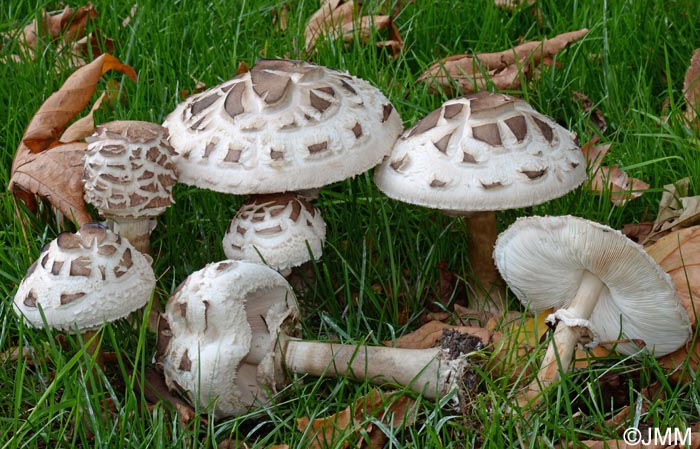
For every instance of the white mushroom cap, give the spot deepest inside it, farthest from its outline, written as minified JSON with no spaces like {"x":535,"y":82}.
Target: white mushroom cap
{"x":128,"y":169}
{"x":276,"y":229}
{"x":284,"y":125}
{"x":482,"y":152}
{"x":209,"y":326}
{"x":543,"y":260}
{"x":83,"y":280}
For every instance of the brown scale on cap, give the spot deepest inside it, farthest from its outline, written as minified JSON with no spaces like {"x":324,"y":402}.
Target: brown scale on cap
{"x":546,"y":130}
{"x":67,"y":298}
{"x":518,"y":126}
{"x":30,"y":299}
{"x":185,"y":362}
{"x":488,"y":133}
{"x":234,"y":100}
{"x":318,"y":147}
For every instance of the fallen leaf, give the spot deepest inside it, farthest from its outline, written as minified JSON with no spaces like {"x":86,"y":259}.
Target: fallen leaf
{"x":339,"y":19}
{"x":512,"y":4}
{"x":676,"y":210}
{"x":506,"y":69}
{"x":622,"y":188}
{"x":393,"y":410}
{"x":595,"y":114}
{"x":47,"y":167}
{"x":691,"y":88}
{"x":678,"y":253}
{"x":637,"y":232}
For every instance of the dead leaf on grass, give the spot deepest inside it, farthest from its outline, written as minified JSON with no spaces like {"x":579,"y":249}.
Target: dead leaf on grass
{"x":506,"y":69}
{"x":428,"y":335}
{"x":47,"y":166}
{"x":676,"y":210}
{"x":393,"y":410}
{"x":587,"y":106}
{"x":621,"y":187}
{"x":340,"y":19}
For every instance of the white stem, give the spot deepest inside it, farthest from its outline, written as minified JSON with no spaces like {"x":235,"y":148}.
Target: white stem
{"x":422,"y":370}
{"x":136,"y":231}
{"x":561,"y":349}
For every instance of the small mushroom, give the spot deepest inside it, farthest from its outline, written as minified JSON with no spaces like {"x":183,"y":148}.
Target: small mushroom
{"x":602,"y":286}
{"x":129,"y":176}
{"x":225,"y":337}
{"x":83,"y":280}
{"x":476,"y":155}
{"x":282,"y":230}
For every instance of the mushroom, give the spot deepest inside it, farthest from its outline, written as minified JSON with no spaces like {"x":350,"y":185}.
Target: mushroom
{"x":83,"y":280}
{"x":282,"y":230}
{"x":283,"y":126}
{"x":602,"y":286}
{"x":129,"y":176}
{"x":476,"y":155}
{"x":225,"y":337}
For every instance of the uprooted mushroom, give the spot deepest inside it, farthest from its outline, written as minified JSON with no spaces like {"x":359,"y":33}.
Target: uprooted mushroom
{"x":476,"y":155}
{"x":225,"y":338}
{"x":602,"y":286}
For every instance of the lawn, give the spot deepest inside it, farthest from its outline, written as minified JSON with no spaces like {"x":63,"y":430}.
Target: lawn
{"x":385,"y":263}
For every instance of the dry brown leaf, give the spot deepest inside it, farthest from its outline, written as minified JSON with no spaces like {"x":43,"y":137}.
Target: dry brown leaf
{"x":394,"y":410}
{"x":678,"y":253}
{"x":622,"y":188}
{"x":691,"y":88}
{"x":339,"y":19}
{"x":506,"y":69}
{"x":594,"y":154}
{"x":43,"y":165}
{"x":637,"y":232}
{"x":596,"y":115}
{"x":676,"y":210}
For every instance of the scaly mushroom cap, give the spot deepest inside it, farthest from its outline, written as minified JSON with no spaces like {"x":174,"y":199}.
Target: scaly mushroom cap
{"x":275,"y":229}
{"x":543,"y":260}
{"x":209,"y":325}
{"x":129,"y":170}
{"x":284,"y":125}
{"x":482,"y":152}
{"x":85,"y":279}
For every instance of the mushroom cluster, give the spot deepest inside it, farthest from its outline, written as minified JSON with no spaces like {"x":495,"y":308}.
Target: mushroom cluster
{"x":284,"y":126}
{"x":479,"y":154}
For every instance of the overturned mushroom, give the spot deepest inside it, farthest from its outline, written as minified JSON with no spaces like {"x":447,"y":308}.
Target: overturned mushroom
{"x":476,"y":155}
{"x":281,"y":230}
{"x":602,"y":286}
{"x":224,"y":337}
{"x":83,"y":280}
{"x":129,"y":176}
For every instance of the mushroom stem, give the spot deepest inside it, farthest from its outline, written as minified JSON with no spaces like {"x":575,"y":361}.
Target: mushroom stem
{"x":424,"y":371}
{"x":488,"y":285}
{"x":91,"y":339}
{"x":136,"y":230}
{"x":561,"y":349}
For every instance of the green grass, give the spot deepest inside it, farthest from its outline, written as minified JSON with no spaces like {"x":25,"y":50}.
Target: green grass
{"x":379,"y":265}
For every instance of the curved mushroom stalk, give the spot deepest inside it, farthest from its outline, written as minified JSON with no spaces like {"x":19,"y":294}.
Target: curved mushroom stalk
{"x":561,"y":349}
{"x":600,"y":283}
{"x":224,"y":337}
